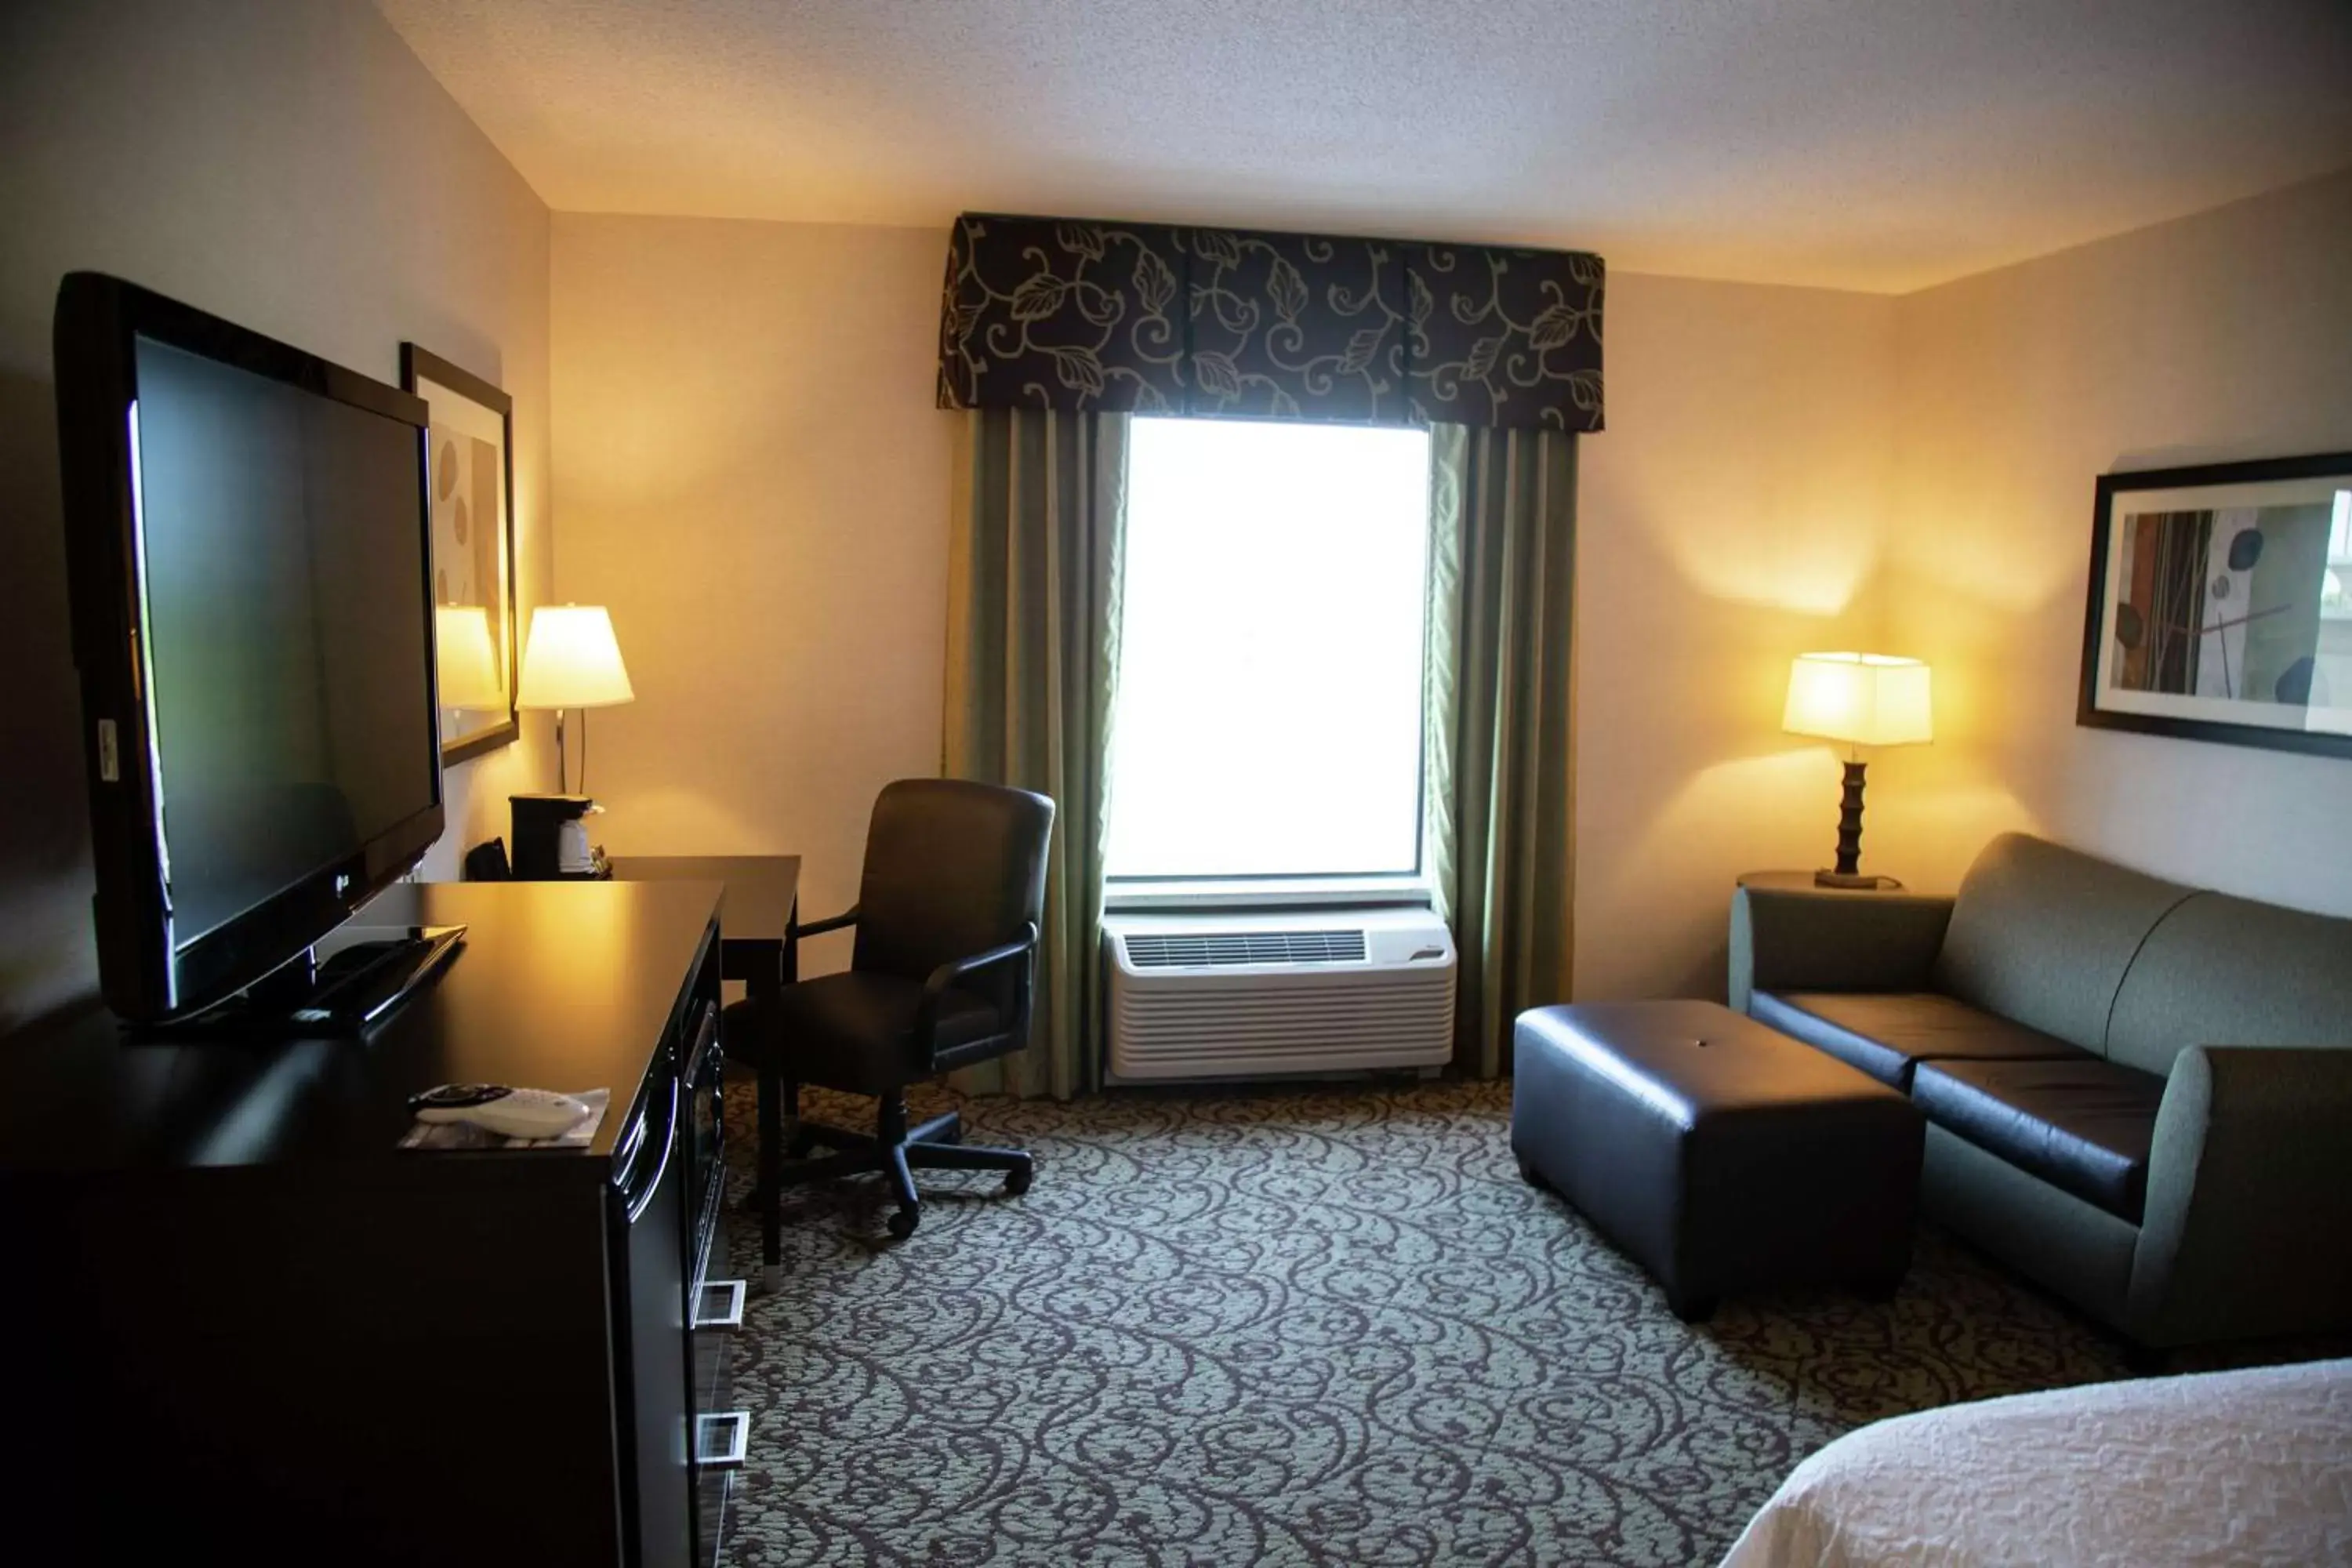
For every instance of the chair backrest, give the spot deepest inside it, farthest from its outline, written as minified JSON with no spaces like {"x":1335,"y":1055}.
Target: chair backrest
{"x":952,"y":868}
{"x":2220,"y":971}
{"x":2136,"y":968}
{"x":486,"y":862}
{"x":2043,"y":934}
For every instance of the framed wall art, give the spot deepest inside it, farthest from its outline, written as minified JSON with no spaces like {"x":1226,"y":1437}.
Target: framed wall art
{"x":470,"y":489}
{"x":2221,"y":604}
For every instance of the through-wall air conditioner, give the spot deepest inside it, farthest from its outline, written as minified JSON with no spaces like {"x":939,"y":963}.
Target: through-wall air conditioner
{"x":1317,"y":991}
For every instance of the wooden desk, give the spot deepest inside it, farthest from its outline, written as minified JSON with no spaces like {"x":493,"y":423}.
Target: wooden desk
{"x":757,"y":918}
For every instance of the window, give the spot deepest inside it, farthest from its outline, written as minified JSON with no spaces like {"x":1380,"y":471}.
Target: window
{"x":1269,"y":698}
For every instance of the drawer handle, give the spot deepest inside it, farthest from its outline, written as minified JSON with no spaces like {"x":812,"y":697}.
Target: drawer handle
{"x":722,"y":1440}
{"x":726,"y":1311}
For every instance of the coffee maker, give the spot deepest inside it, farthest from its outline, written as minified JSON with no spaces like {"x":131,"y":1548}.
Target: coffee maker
{"x":550,"y":839}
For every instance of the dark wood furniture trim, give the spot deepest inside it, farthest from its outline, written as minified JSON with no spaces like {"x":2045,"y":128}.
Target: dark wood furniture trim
{"x":266,"y":1332}
{"x":759,"y":947}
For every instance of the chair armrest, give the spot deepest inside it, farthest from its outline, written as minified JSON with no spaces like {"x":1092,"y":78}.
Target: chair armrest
{"x":1783,"y":940}
{"x":832,"y":922}
{"x":927,"y":1015}
{"x":955,"y":969}
{"x":2248,"y":1228}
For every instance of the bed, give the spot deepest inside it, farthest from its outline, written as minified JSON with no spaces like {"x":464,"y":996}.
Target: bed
{"x":2236,"y":1468}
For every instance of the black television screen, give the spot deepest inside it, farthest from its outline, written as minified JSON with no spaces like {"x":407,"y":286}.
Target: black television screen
{"x":253,"y":624}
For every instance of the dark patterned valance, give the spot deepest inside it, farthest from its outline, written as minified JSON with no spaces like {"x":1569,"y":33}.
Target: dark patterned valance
{"x":1151,"y":319}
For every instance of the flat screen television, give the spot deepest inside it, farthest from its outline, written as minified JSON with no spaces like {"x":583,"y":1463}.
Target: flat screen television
{"x":247,"y":549}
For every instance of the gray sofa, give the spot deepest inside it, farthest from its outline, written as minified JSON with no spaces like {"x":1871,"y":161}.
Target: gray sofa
{"x":2128,"y":1084}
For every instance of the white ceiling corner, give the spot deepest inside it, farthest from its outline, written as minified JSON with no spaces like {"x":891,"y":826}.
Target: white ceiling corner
{"x":1875,"y":144}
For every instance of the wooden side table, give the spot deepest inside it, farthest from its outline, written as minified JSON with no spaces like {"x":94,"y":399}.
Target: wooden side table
{"x":1803,"y":882}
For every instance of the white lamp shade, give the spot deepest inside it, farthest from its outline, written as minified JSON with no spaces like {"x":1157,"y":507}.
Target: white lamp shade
{"x":573,"y":660}
{"x":465,"y":661}
{"x":1861,"y":698}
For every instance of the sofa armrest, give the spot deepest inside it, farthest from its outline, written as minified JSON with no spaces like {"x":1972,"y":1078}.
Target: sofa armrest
{"x":1784,"y":939}
{"x":2248,"y":1228}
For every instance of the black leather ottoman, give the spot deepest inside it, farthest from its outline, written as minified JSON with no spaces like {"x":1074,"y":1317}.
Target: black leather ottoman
{"x":1721,"y":1155}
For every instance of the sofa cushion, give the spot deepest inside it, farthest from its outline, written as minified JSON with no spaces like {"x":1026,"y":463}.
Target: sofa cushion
{"x":2043,"y":934}
{"x":1887,"y":1033}
{"x":2220,"y":971}
{"x":2082,"y":1125}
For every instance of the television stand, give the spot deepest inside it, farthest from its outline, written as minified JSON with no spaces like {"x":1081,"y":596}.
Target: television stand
{"x":352,"y":978}
{"x":218,"y":1243}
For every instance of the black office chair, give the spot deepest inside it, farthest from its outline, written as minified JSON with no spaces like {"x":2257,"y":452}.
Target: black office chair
{"x":486,"y":862}
{"x":947,"y":920}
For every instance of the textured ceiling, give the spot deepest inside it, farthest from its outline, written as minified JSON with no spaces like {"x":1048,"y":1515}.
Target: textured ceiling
{"x":1881,"y":144}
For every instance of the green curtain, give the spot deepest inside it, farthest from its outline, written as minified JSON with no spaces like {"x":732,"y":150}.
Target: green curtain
{"x":1502,"y":588}
{"x":1033,"y":650}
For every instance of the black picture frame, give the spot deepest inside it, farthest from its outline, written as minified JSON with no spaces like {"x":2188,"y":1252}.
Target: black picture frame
{"x":2095,"y":706}
{"x":419,"y":364}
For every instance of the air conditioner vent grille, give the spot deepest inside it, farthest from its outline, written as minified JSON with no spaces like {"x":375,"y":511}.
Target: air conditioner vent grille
{"x":1201,"y":949}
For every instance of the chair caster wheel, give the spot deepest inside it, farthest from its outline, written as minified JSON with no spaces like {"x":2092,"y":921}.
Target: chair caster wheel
{"x":1017,"y":1180}
{"x":904,"y":1221}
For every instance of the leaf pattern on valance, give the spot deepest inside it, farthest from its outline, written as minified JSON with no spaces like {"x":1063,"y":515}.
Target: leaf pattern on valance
{"x":1082,"y":317}
{"x":1095,"y":317}
{"x":1495,"y":330}
{"x":1295,"y":326}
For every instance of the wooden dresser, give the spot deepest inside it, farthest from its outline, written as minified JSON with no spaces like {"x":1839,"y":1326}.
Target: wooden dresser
{"x":240,"y":1324}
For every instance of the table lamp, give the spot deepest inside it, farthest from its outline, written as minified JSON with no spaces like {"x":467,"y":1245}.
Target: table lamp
{"x":573,"y":660}
{"x":464,"y":660}
{"x":1861,"y":700}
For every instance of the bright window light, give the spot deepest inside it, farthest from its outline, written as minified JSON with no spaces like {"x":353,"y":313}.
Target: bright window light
{"x":1269,"y":703}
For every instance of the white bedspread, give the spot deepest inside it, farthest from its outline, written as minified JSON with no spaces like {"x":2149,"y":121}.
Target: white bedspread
{"x":2219,"y":1468}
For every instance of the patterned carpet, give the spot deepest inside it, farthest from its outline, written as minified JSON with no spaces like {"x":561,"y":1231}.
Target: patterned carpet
{"x":1314,"y":1328}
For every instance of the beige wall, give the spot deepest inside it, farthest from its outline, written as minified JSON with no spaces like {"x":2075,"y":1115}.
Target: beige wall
{"x":1729,"y":517}
{"x":752,"y":474}
{"x":1790,"y":468}
{"x":2216,"y":338}
{"x":295,"y":169}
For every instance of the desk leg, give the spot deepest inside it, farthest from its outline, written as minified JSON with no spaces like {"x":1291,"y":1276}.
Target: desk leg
{"x":773,"y":1110}
{"x":771,"y":1196}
